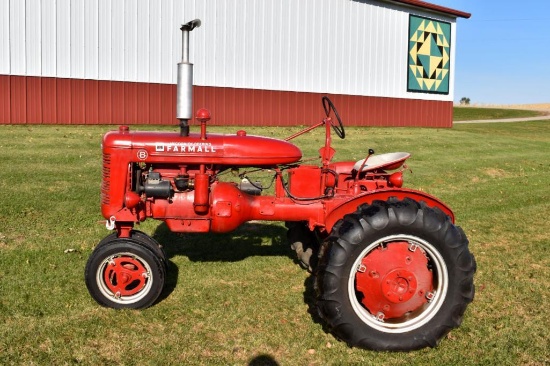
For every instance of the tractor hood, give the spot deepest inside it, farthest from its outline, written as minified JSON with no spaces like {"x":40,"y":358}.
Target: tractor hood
{"x":224,"y":149}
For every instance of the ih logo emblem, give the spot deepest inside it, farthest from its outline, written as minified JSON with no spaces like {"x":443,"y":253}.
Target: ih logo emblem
{"x":142,"y":154}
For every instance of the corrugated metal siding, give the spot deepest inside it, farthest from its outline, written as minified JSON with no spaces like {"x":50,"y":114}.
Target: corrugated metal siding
{"x":77,"y":101}
{"x":256,"y":62}
{"x":63,"y":39}
{"x":48,"y":28}
{"x":28,"y":99}
{"x":4,"y":37}
{"x":232,"y":106}
{"x":5,"y":99}
{"x":334,"y":46}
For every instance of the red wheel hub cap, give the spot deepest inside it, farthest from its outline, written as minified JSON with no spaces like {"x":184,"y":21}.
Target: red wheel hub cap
{"x":125,"y":276}
{"x":394,"y":280}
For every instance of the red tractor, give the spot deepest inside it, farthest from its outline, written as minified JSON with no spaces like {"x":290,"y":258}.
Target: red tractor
{"x":392,"y":271}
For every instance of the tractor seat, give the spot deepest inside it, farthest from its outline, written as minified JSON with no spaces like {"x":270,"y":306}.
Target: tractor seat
{"x":389,"y":161}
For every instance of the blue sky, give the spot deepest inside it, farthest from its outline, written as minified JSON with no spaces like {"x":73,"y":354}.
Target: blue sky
{"x":502,"y":51}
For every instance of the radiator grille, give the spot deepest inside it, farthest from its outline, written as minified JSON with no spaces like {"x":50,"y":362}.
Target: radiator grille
{"x":106,"y":181}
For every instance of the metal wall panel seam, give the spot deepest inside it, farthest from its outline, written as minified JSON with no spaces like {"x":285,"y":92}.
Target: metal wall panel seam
{"x":270,"y":42}
{"x":398,"y":61}
{"x":248,"y":50}
{"x":18,"y":99}
{"x":178,"y":18}
{"x":17,"y":38}
{"x":208,"y":44}
{"x":117,"y":19}
{"x":167,"y":31}
{"x":33,"y":44}
{"x":77,"y":41}
{"x":333,"y":73}
{"x":259,"y":47}
{"x":63,"y":38}
{"x":197,"y":53}
{"x":91,"y":39}
{"x":49,"y":100}
{"x":301,"y":44}
{"x":49,"y":44}
{"x":353,"y":56}
{"x":104,"y":52}
{"x":367,"y":51}
{"x":289,"y":58}
{"x":5,"y":37}
{"x":143,"y":41}
{"x":219,"y":68}
{"x":242,"y":60}
{"x":284,"y":55}
{"x":230,"y":70}
{"x":315,"y":57}
{"x":290,"y":61}
{"x":452,"y":67}
{"x":342,"y":60}
{"x":154,"y":56}
{"x":5,"y":99}
{"x":130,"y":40}
{"x":92,"y":105}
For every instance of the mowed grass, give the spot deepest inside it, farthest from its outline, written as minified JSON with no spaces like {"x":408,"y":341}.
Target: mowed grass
{"x":479,"y":113}
{"x":239,"y":298}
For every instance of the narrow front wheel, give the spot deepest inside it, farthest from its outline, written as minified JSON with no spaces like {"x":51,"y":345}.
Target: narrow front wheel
{"x":141,"y":238}
{"x":125,"y":274}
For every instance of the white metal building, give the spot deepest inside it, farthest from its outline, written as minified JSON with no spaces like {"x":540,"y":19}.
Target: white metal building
{"x":256,"y":61}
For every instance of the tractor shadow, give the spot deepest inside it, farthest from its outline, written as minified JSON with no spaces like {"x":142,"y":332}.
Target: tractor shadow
{"x":251,"y":239}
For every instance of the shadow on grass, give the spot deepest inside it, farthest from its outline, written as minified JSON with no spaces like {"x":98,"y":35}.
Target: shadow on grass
{"x":263,"y":360}
{"x":251,"y":239}
{"x":310,"y":301}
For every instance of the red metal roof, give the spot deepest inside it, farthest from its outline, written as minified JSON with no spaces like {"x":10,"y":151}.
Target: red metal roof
{"x":434,"y":7}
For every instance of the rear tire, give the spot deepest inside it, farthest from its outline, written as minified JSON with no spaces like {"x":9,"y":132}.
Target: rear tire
{"x":124,"y":273}
{"x":394,"y":275}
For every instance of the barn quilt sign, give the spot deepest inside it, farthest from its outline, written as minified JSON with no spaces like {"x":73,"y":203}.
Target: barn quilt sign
{"x":429,"y":55}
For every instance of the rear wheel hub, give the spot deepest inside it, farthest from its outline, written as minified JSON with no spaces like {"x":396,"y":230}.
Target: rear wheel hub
{"x":394,"y":280}
{"x":399,"y":285}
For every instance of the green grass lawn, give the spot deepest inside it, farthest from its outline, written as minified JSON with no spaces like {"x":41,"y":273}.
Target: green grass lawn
{"x":232,"y":298}
{"x":475,"y":113}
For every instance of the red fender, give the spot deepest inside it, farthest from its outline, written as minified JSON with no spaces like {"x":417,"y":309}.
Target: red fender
{"x":351,"y":206}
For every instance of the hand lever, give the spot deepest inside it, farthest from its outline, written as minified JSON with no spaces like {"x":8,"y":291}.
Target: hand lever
{"x":371,"y":152}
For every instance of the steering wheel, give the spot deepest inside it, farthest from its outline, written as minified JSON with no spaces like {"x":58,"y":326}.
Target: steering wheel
{"x":338,"y":129}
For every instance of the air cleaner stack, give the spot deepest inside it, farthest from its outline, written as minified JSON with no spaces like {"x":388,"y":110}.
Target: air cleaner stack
{"x":184,"y":98}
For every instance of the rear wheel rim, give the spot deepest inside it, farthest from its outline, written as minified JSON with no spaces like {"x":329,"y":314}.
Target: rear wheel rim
{"x":392,"y":288}
{"x":124,"y":278}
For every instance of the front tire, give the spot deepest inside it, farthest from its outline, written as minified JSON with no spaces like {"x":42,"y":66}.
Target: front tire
{"x":124,"y":273}
{"x":141,"y":238}
{"x":394,"y":275}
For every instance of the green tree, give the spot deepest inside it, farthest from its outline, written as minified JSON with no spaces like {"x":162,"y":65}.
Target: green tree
{"x":465,"y":101}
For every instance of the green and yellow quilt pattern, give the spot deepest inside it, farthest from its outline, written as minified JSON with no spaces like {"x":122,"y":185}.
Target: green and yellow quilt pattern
{"x":429,"y":55}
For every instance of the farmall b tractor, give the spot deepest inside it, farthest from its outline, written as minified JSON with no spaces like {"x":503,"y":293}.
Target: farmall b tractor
{"x":391,"y":269}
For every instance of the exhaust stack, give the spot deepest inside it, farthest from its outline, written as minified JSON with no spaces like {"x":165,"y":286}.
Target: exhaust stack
{"x":184,"y":98}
